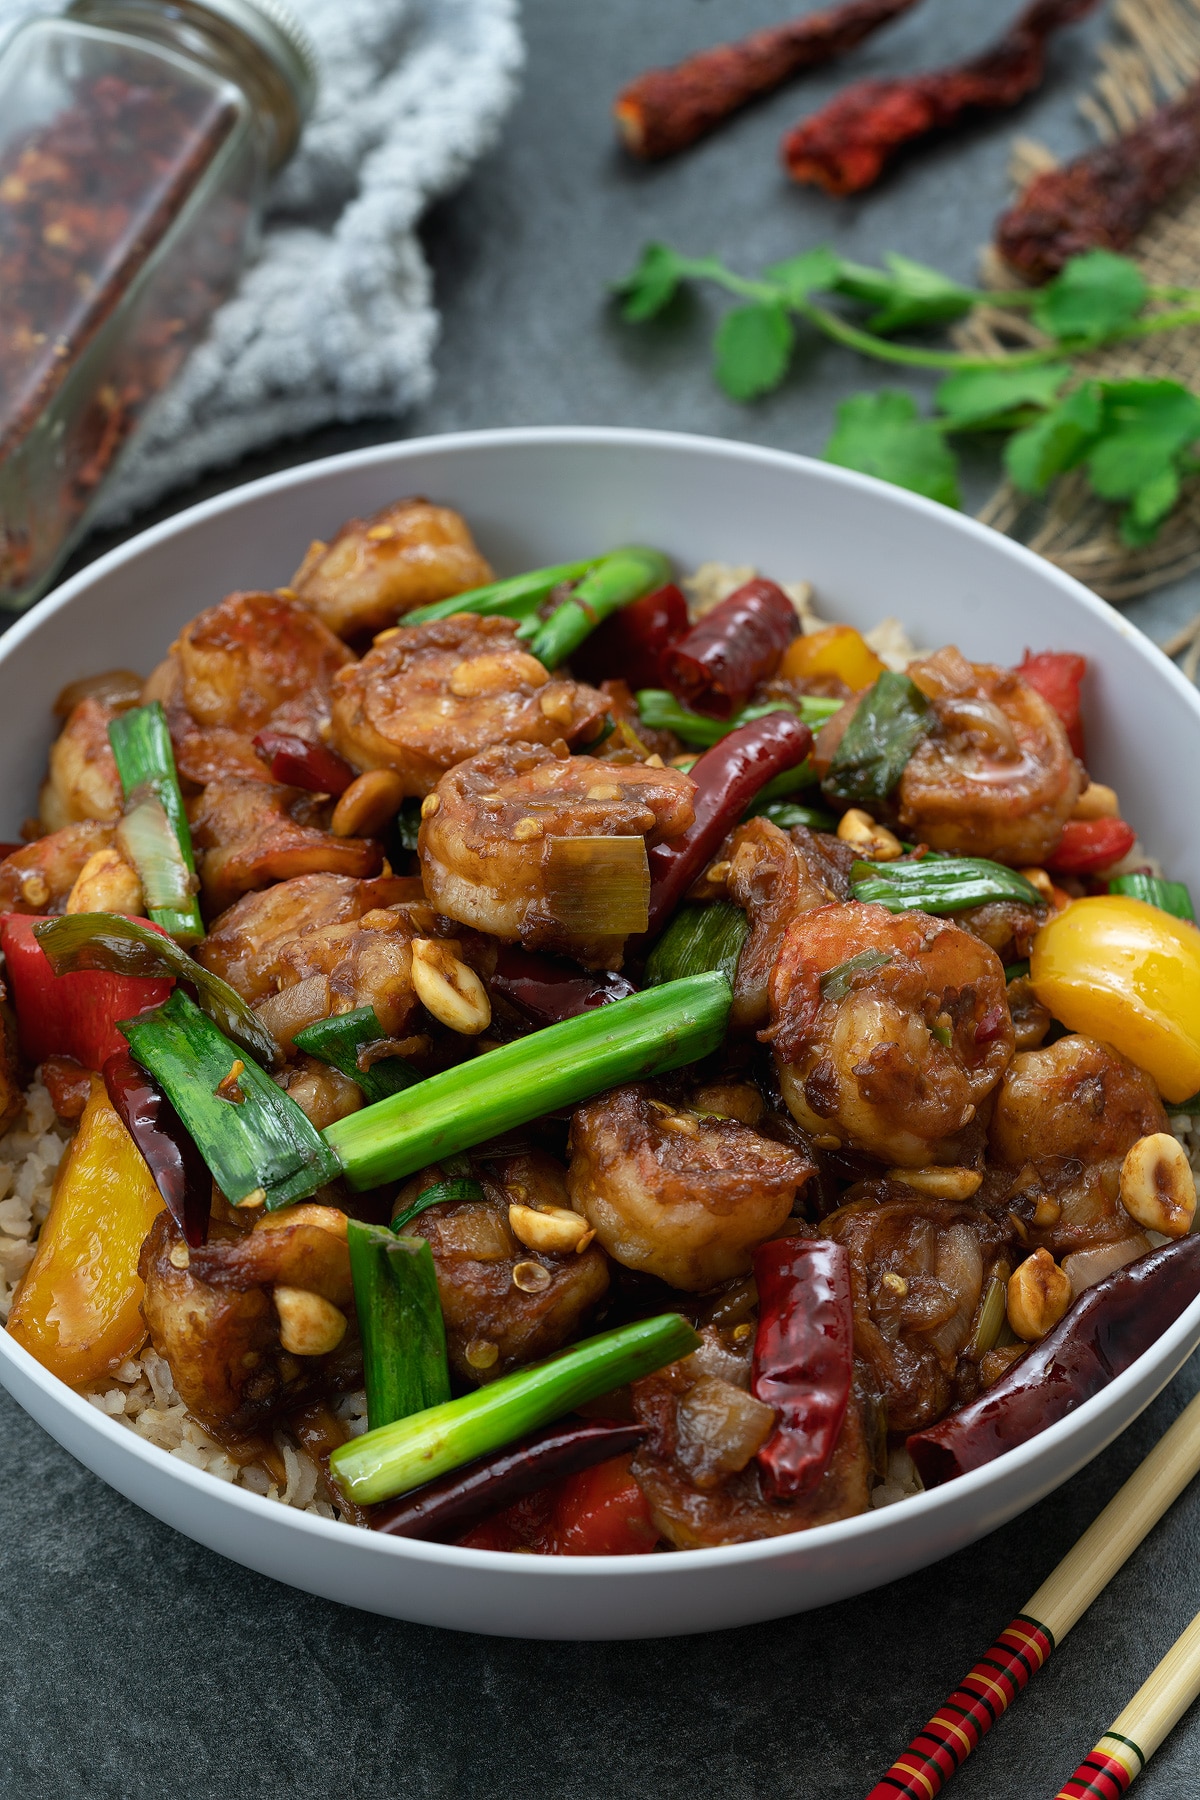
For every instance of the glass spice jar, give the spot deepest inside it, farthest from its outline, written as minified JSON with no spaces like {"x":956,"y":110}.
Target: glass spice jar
{"x":136,"y":139}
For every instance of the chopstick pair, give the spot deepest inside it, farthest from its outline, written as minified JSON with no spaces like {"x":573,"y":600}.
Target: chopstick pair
{"x":982,"y":1698}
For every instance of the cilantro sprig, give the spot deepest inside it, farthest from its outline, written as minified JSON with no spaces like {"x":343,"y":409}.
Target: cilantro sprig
{"x":1134,"y":439}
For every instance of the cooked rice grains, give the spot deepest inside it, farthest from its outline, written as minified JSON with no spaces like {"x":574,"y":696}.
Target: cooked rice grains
{"x":141,"y":1392}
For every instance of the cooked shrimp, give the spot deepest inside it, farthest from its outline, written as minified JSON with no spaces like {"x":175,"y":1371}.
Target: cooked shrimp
{"x":323,"y":1094}
{"x":503,"y":1304}
{"x":39,"y":878}
{"x":83,"y":782}
{"x":245,"y":943}
{"x":407,"y":554}
{"x":250,"y":833}
{"x":366,"y":962}
{"x":683,"y":1196}
{"x":996,"y":777}
{"x":772,"y":878}
{"x":896,"y":1056}
{"x":917,"y":1269}
{"x":429,"y":696}
{"x":488,"y":832}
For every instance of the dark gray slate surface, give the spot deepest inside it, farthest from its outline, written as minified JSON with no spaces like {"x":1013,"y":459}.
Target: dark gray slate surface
{"x":135,"y":1664}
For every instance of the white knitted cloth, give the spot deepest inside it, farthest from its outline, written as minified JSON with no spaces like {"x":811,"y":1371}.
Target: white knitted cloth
{"x":335,"y":319}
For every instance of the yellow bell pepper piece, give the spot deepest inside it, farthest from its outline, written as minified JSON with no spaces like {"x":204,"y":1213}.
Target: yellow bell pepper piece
{"x":78,"y":1308}
{"x":837,"y":650}
{"x":1127,"y":972}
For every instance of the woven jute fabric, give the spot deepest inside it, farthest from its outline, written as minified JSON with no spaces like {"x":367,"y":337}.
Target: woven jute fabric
{"x":1152,"y":55}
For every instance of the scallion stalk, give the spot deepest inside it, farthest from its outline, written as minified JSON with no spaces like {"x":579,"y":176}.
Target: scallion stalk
{"x":400,"y":1320}
{"x":837,"y":982}
{"x":889,"y":722}
{"x":700,"y":937}
{"x":157,"y":838}
{"x":644,"y":1035}
{"x":1169,"y":896}
{"x":597,"y":886}
{"x":255,"y":1140}
{"x":939,"y":885}
{"x":516,"y":598}
{"x":660,"y":711}
{"x":788,"y":813}
{"x":419,"y":1448}
{"x":611,"y":583}
{"x":442,"y":1192}
{"x":341,"y":1040}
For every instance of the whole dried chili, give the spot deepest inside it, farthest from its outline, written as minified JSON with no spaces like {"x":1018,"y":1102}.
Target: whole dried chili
{"x":297,"y":762}
{"x":443,"y":1509}
{"x":549,"y":990}
{"x":847,"y":145}
{"x":715,"y":668}
{"x":803,"y":1358}
{"x":665,"y":110}
{"x":727,"y":778}
{"x":1107,"y":1329}
{"x":635,"y":639}
{"x":1102,"y":199}
{"x":180,"y":1172}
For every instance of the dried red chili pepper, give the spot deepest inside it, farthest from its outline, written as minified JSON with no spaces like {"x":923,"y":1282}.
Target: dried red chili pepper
{"x":180,"y":1172}
{"x":1102,"y":199}
{"x":803,"y":1358}
{"x":443,"y":1509}
{"x":665,"y":110}
{"x":727,"y":778}
{"x":1107,"y":1329}
{"x":296,"y":762}
{"x":549,"y":990}
{"x":1090,"y":844}
{"x":715,"y":668}
{"x":633,"y":641}
{"x":1057,"y":675}
{"x":847,"y":145}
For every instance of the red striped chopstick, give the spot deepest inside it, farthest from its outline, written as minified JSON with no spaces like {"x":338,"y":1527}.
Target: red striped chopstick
{"x":1127,"y":1746}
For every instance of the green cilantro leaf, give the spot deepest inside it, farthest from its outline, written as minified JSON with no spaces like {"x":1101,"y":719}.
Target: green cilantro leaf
{"x":753,"y":349}
{"x":972,"y":398}
{"x":908,"y":294}
{"x":1059,"y":441}
{"x":1146,"y":425}
{"x":1149,"y":507}
{"x":813,"y":271}
{"x":652,"y":285}
{"x":1096,"y":294}
{"x":883,"y":434}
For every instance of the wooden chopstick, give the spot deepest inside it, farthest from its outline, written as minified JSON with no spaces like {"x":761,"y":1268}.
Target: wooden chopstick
{"x":1132,"y":1739}
{"x":1018,"y":1653}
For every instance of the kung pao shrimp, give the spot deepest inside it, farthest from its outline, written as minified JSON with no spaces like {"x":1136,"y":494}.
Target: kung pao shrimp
{"x":758,"y":1060}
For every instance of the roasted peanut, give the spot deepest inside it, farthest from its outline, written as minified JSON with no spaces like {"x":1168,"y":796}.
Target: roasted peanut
{"x":1039,"y":1293}
{"x":939,"y":1184}
{"x":368,"y":804}
{"x":309,"y":1212}
{"x":309,"y":1325}
{"x":873,"y":841}
{"x":448,"y":989}
{"x":1158,"y":1188}
{"x":107,"y":883}
{"x":1041,"y":881}
{"x":1097,"y":802}
{"x":553,"y":1229}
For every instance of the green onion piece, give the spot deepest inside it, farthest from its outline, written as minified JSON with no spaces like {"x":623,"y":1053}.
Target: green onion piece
{"x":613,"y":582}
{"x":408,"y":823}
{"x":124,"y":946}
{"x":516,"y":598}
{"x":260,"y":1144}
{"x":400,"y":1319}
{"x":787,"y":813}
{"x":791,"y":781}
{"x":836,"y":982}
{"x":889,"y":722}
{"x":412,"y":1451}
{"x":993,"y":1330}
{"x":145,"y":762}
{"x":339,"y":1042}
{"x":1016,"y":971}
{"x":437,"y":1195}
{"x":596,"y":886}
{"x":940,"y":885}
{"x":644,"y":1035}
{"x":1190,"y":1105}
{"x":660,"y":711}
{"x":1169,"y":896}
{"x":699,"y":937}
{"x":943,"y":1034}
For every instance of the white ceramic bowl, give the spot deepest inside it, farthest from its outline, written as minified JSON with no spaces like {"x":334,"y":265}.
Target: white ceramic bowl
{"x":541,"y":496}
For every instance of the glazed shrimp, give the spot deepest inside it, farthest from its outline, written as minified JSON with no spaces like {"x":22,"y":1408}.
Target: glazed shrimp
{"x":375,"y":569}
{"x":890,"y":1031}
{"x":679,"y":1195}
{"x":429,"y":696}
{"x":82,"y":782}
{"x":772,"y":878}
{"x":996,"y":777}
{"x":490,"y":830}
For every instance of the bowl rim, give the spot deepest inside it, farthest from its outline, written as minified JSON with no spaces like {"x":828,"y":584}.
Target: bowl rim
{"x":875,"y":1521}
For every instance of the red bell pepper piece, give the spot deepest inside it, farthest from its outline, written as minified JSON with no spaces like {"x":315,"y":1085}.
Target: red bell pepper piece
{"x":716,"y":667}
{"x":1090,"y":844}
{"x":632,"y":643}
{"x":600,"y":1511}
{"x":71,"y":1015}
{"x":803,"y":1358}
{"x":1057,"y":675}
{"x":298,"y":763}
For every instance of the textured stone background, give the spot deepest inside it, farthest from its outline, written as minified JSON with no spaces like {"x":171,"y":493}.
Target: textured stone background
{"x":135,"y":1665}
